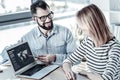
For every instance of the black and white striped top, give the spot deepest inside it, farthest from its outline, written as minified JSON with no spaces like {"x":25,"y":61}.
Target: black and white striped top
{"x":104,"y":60}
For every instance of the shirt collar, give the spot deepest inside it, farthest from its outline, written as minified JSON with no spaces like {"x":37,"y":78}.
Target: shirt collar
{"x":54,"y":30}
{"x":38,"y":32}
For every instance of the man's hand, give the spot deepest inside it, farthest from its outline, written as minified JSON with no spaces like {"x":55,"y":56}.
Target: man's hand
{"x":47,"y":58}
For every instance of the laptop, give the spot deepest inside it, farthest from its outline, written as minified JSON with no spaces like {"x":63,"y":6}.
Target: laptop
{"x":24,"y":63}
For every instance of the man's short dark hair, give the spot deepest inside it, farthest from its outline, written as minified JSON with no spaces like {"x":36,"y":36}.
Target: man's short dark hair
{"x":38,"y":4}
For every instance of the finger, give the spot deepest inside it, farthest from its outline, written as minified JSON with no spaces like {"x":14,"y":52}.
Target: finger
{"x":73,"y":76}
{"x":42,"y":55}
{"x":68,"y":76}
{"x":44,"y":59}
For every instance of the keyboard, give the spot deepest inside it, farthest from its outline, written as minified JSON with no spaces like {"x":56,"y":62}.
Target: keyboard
{"x":34,"y":69}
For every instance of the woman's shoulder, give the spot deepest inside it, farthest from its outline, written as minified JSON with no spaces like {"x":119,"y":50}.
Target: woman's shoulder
{"x":115,"y":47}
{"x":114,"y":42}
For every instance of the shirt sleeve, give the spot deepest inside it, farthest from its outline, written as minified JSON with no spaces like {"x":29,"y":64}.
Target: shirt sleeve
{"x":77,"y":55}
{"x":4,"y":55}
{"x":70,"y":44}
{"x":60,"y":58}
{"x":113,"y":67}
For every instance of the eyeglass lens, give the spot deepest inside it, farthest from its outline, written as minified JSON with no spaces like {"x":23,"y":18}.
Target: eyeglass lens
{"x":43,"y":18}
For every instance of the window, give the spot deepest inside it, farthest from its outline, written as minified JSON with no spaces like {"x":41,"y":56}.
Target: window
{"x":14,"y":11}
{"x":13,"y":6}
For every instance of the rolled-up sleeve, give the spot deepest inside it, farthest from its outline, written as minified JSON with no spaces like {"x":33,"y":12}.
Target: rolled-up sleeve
{"x":70,"y":46}
{"x":70,"y":43}
{"x":77,"y":55}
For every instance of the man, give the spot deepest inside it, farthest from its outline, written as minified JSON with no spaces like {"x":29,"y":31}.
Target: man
{"x":48,"y":41}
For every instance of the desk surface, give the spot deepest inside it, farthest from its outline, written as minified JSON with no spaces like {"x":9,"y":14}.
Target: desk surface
{"x":58,"y":74}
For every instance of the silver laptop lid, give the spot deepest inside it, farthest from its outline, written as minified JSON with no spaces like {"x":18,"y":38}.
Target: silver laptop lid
{"x":19,"y":57}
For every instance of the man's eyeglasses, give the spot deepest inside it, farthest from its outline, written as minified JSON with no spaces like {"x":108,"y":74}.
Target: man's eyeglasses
{"x":43,"y":18}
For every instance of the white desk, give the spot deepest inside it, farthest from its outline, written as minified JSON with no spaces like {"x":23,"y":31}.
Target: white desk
{"x":58,"y":74}
{"x":7,"y":73}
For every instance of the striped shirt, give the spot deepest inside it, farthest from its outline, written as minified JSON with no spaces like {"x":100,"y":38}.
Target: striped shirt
{"x":104,"y":60}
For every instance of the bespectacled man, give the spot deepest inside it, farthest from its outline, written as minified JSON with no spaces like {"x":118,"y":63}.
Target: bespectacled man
{"x":49,"y":41}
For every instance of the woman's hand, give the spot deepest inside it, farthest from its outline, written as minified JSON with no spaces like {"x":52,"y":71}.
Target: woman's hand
{"x":90,"y":75}
{"x":68,"y":72}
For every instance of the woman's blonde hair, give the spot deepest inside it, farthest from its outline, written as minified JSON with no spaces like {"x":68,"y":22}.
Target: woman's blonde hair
{"x":95,"y":20}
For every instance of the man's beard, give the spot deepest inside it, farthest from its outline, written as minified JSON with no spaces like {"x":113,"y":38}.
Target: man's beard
{"x":44,"y":27}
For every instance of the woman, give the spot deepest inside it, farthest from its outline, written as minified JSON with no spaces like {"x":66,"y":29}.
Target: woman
{"x":99,"y":47}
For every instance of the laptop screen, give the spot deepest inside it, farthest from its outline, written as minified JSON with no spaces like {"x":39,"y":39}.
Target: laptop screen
{"x":19,"y":56}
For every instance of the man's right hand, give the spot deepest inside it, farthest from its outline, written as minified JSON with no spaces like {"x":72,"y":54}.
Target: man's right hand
{"x":68,"y":72}
{"x":47,"y":58}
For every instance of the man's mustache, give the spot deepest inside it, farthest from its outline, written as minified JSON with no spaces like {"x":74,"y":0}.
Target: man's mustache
{"x":48,"y":22}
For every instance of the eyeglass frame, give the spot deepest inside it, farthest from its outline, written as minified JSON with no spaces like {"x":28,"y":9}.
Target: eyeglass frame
{"x":46,"y":16}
